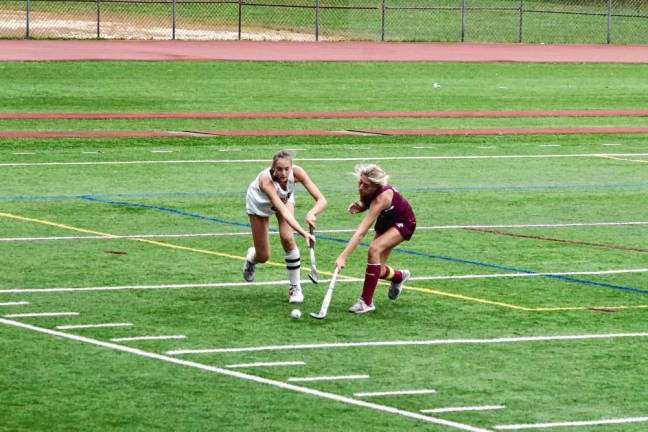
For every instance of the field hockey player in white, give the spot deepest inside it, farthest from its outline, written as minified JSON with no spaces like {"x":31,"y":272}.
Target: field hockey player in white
{"x":273,"y":192}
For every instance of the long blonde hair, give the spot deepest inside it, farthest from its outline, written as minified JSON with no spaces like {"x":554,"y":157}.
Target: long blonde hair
{"x":374,"y":173}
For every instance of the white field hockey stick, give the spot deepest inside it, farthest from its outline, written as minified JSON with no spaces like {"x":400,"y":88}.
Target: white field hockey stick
{"x":312,"y":275}
{"x":327,"y":297}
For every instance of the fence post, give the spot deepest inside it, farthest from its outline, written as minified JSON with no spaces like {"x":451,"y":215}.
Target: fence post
{"x":98,"y":19}
{"x":240,"y":14}
{"x":317,"y":19}
{"x":609,"y":22}
{"x":520,"y":28}
{"x":463,"y":20}
{"x":173,"y":21}
{"x":382,"y":22}
{"x":27,"y":11}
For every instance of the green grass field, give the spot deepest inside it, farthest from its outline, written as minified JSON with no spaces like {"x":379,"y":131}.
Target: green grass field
{"x":536,"y":318}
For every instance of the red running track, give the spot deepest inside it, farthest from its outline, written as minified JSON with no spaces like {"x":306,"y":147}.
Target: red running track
{"x":36,"y":50}
{"x":313,"y":132}
{"x":324,"y":114}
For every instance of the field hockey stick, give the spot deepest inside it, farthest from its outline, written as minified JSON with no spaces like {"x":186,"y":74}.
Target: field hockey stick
{"x":312,"y":275}
{"x":327,"y":298}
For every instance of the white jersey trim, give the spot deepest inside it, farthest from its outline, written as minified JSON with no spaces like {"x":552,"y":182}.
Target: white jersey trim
{"x":257,"y":202}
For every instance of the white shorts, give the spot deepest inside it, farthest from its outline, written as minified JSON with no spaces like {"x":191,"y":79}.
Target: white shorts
{"x":260,"y":205}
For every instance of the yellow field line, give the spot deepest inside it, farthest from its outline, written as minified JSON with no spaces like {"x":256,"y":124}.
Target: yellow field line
{"x":522,"y":308}
{"x":58,"y":225}
{"x":624,"y":159}
{"x":241,"y":258}
{"x":154,"y":242}
{"x":558,"y":309}
{"x":463,"y":297}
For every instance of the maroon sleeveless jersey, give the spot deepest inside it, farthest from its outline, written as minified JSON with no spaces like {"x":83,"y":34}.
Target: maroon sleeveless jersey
{"x":398,"y":215}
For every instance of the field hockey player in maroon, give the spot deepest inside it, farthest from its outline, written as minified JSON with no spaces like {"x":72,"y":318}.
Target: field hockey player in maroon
{"x":394,"y":222}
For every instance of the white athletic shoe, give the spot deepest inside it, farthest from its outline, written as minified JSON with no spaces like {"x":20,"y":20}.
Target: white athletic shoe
{"x":249,"y":268}
{"x":295,"y":294}
{"x":396,"y":288}
{"x":360,"y":307}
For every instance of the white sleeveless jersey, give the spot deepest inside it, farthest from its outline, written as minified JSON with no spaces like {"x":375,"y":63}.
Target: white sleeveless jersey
{"x":258,"y":203}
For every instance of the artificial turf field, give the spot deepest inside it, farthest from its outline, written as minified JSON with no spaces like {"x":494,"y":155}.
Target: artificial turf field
{"x":535,"y":318}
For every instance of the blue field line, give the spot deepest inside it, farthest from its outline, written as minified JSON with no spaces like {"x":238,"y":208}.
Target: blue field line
{"x":165,"y":209}
{"x":517,"y":270}
{"x":346,"y":190}
{"x":119,"y":195}
{"x":365,"y":244}
{"x":497,"y":266}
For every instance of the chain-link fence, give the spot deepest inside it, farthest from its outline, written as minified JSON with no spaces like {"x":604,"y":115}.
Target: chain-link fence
{"x":530,"y":21}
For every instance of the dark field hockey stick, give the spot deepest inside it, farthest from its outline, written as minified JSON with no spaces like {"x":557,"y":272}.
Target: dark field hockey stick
{"x":312,"y":275}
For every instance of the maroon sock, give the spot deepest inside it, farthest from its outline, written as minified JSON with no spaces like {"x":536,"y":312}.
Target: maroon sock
{"x":372,"y":273}
{"x":398,"y":276}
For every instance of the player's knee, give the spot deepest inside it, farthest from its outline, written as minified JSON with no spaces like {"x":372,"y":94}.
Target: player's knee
{"x":374,"y":252}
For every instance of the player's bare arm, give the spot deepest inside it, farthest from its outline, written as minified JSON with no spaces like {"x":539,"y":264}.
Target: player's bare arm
{"x":356,"y":207}
{"x":268,"y":188}
{"x":302,"y":177}
{"x":379,"y":204}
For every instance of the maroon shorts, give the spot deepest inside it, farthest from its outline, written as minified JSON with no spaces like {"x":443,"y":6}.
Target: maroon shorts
{"x":406,"y":228}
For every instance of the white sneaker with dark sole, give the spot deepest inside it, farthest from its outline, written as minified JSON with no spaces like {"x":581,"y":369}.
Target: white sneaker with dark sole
{"x":249,"y":268}
{"x":361,"y":307}
{"x":295,"y":294}
{"x":396,"y":288}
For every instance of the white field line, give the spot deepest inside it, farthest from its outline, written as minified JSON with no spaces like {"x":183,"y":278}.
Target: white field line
{"x":409,"y":343}
{"x":331,"y":231}
{"x":41,"y":314}
{"x":140,"y":338}
{"x":549,"y":145}
{"x":395,"y":393}
{"x":265,"y":364}
{"x":161,"y":151}
{"x":261,"y":380}
{"x":557,"y":225}
{"x":573,"y":423}
{"x":133,"y":287}
{"x":284,"y":282}
{"x":351,"y":159}
{"x":84,"y":326}
{"x":328,"y":378}
{"x":466,"y":408}
{"x":16,"y":303}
